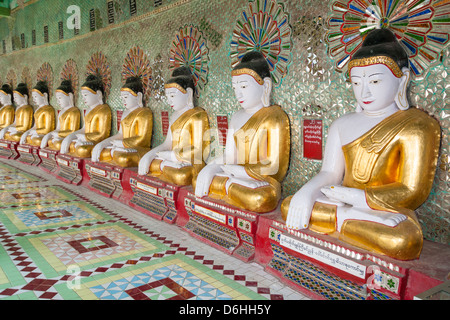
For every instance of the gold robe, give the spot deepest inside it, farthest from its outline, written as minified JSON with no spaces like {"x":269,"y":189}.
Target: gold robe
{"x":6,"y":116}
{"x":263,"y":148}
{"x":97,"y":128}
{"x":24,"y":122}
{"x":137,"y":129}
{"x":394,"y":163}
{"x":189,"y":144}
{"x":44,"y":119}
{"x":69,"y":122}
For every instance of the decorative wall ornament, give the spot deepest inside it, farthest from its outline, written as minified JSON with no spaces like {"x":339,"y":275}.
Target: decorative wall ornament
{"x":264,"y":27}
{"x":45,"y":73}
{"x":27,"y":78}
{"x":70,"y":72}
{"x":11,"y":78}
{"x":137,"y":64}
{"x":189,"y":48}
{"x":99,"y":66}
{"x":420,"y":26}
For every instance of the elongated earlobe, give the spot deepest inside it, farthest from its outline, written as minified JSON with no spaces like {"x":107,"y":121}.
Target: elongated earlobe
{"x":267,"y":91}
{"x":140,"y":99}
{"x":401,"y":99}
{"x":190,"y":94}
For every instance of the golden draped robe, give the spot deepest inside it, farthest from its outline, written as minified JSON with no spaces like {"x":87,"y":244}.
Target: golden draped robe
{"x":137,"y":129}
{"x":69,"y":122}
{"x":97,"y":128}
{"x":24,"y":122}
{"x":189,"y":143}
{"x":263,"y":148}
{"x":44,"y":119}
{"x":394,"y":163}
{"x":6,"y":116}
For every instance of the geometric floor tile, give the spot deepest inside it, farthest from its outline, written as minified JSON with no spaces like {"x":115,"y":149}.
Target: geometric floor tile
{"x":17,"y":178}
{"x":173,"y":277}
{"x":64,"y":242}
{"x":36,"y":217}
{"x":33,"y":195}
{"x":86,"y":247}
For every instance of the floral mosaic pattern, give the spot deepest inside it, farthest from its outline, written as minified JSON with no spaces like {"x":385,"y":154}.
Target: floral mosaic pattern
{"x":264,"y":27}
{"x":421,"y":27}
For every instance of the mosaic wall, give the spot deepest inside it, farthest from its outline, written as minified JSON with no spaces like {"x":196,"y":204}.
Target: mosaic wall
{"x":311,"y":88}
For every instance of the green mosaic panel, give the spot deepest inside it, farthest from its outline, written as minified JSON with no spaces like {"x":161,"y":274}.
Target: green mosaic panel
{"x":311,"y":89}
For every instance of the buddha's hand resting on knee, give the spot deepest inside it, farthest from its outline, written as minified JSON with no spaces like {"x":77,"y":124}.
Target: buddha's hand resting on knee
{"x":351,"y":196}
{"x":299,"y":211}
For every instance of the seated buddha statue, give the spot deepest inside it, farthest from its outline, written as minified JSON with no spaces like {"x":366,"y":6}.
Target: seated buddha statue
{"x":379,"y":161}
{"x":256,"y":156}
{"x":68,"y":119}
{"x":23,"y":116}
{"x":44,"y":116}
{"x":181,"y":156}
{"x":7,"y":108}
{"x":97,"y":121}
{"x":133,"y":140}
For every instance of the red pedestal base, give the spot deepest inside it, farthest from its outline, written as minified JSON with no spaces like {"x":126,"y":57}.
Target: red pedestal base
{"x":72,"y":170}
{"x":154,"y":197}
{"x":48,"y":161}
{"x":225,"y":227}
{"x":28,"y":154}
{"x":109,"y":181}
{"x":327,"y":268}
{"x":8,"y":149}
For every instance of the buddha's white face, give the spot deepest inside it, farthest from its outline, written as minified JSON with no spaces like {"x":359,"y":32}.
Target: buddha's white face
{"x":176,"y":99}
{"x":91,"y":99}
{"x":63,"y":99}
{"x":375,"y":86}
{"x":20,"y":100}
{"x":38,"y":99}
{"x":5,"y":99}
{"x":129,"y":100}
{"x":248,"y":91}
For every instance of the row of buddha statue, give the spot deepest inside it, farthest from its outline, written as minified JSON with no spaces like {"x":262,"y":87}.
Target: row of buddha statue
{"x":378,"y":166}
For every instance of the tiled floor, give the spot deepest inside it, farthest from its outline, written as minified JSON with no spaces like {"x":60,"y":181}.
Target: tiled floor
{"x":64,"y":242}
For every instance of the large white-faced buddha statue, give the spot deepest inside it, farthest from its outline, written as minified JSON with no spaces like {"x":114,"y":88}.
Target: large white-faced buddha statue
{"x":256,"y":156}
{"x":97,"y":121}
{"x":69,"y":117}
{"x":6,"y":107}
{"x":133,"y":140}
{"x":44,"y":116}
{"x":23,"y":120}
{"x":379,"y":161}
{"x":182,"y":154}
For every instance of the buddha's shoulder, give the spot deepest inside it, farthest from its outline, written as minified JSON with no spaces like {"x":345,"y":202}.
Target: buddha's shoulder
{"x":145,"y":111}
{"x":420,"y":119}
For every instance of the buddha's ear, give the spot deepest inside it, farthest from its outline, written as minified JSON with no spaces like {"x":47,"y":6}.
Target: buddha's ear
{"x":190,"y":94}
{"x":401,"y":99}
{"x":140,"y":99}
{"x":71,"y":99}
{"x":100,"y":95}
{"x":267,"y":91}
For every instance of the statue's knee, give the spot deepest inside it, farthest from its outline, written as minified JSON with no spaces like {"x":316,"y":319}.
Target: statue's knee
{"x":285,"y":207}
{"x":262,"y":200}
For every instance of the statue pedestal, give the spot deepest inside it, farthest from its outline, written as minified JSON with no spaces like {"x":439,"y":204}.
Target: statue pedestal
{"x":324,"y":267}
{"x":223,"y":226}
{"x":28,"y":154}
{"x":72,"y":169}
{"x":8,"y":149}
{"x":154,"y":197}
{"x":109,"y":180}
{"x":48,"y":160}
